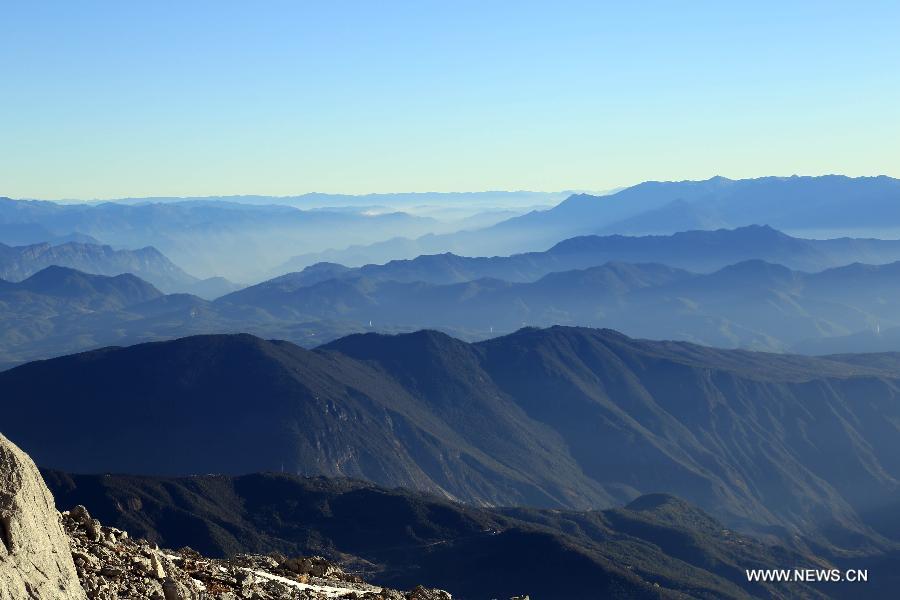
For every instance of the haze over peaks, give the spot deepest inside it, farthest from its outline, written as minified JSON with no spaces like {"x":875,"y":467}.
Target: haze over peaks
{"x":729,"y":288}
{"x":833,"y":204}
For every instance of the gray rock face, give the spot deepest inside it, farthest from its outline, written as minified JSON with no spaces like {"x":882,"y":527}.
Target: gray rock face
{"x":35,"y":556}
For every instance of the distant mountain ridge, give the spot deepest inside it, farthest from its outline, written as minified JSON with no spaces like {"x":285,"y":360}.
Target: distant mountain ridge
{"x":26,"y":234}
{"x":834,"y":203}
{"x":244,"y":242}
{"x":57,"y":301}
{"x":212,"y":238}
{"x":71,"y":285}
{"x":398,"y":200}
{"x":695,"y":250}
{"x":563,"y":417}
{"x":753,"y":303}
{"x":19,"y":262}
{"x":59,"y":310}
{"x":823,"y":202}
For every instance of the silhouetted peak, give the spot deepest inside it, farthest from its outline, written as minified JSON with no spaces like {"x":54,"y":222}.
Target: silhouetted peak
{"x":536,"y":335}
{"x":215,"y":352}
{"x":759,"y":231}
{"x":580,"y":199}
{"x":216,"y":340}
{"x":583,"y":242}
{"x":319,"y":267}
{"x":56,"y":280}
{"x":760,"y":234}
{"x":666,"y":508}
{"x":757,"y":267}
{"x":653,"y":502}
{"x":367,"y":346}
{"x":56,"y":272}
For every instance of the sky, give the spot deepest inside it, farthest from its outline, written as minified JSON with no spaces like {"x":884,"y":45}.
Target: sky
{"x":115,"y":99}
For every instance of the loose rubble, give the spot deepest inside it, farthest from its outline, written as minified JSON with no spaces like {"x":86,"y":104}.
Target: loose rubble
{"x":113,"y":566}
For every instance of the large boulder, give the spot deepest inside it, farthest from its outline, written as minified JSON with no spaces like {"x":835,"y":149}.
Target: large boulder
{"x":35,"y":556}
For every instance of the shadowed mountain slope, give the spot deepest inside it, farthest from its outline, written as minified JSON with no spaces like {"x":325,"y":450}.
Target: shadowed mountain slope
{"x":312,"y":412}
{"x":396,"y":537}
{"x":562,"y":417}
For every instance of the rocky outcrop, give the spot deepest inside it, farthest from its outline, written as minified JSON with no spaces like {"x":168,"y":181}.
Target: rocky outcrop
{"x":114,"y":566}
{"x":35,"y":556}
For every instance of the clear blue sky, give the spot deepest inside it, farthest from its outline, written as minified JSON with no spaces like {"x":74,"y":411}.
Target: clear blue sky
{"x":106,"y":99}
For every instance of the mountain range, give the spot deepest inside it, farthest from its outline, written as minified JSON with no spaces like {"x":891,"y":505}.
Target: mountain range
{"x":696,"y":250}
{"x":27,"y":234}
{"x":60,"y":310}
{"x":213,"y":238}
{"x":791,"y":203}
{"x":20,"y":262}
{"x":656,"y":546}
{"x":563,"y":417}
{"x":827,"y":206}
{"x":564,"y":462}
{"x":751,"y":304}
{"x":463,"y":209}
{"x":247,"y":238}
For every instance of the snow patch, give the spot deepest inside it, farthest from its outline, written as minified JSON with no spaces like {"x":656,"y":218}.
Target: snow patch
{"x":328,"y":590}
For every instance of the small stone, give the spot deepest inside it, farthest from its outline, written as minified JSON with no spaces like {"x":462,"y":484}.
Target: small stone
{"x":423,"y":593}
{"x":92,"y":527}
{"x":113,"y":572}
{"x":156,"y":567}
{"x":175,"y":590}
{"x":80,"y":514}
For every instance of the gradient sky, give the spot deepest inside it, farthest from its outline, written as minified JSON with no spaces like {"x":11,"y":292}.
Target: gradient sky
{"x":111,"y":99}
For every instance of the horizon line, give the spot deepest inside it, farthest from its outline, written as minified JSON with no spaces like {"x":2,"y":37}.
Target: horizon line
{"x":574,"y":190}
